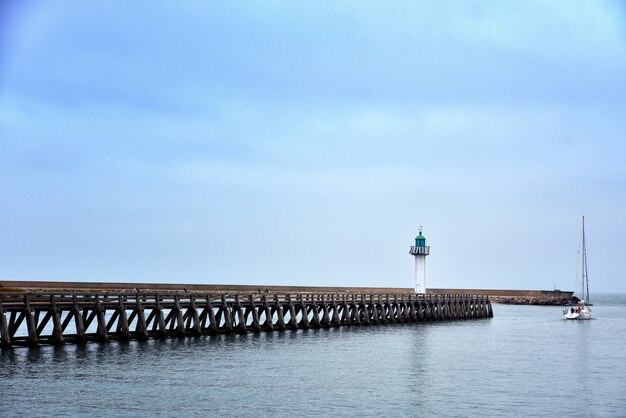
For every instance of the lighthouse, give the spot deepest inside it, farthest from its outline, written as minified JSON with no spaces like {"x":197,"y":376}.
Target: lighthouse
{"x":420,"y":250}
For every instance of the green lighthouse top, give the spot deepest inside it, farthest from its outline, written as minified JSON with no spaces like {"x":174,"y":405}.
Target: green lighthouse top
{"x":420,"y":240}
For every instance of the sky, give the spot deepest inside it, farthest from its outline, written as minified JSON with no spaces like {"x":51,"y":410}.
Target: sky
{"x":304,"y":143}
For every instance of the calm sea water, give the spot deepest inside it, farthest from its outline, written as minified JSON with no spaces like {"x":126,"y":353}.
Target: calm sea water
{"x":525,"y":361}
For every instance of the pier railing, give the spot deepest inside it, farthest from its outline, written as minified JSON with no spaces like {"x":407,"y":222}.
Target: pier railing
{"x":33,"y":318}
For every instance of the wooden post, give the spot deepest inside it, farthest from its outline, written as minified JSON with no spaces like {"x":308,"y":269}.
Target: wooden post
{"x":380,"y":307}
{"x":256,"y":326}
{"x":178,"y":316}
{"x":374,"y":307}
{"x":387,"y":311}
{"x":441,"y":307}
{"x":241,"y":326}
{"x":78,"y":321}
{"x":228,"y":318}
{"x":455,"y":307}
{"x":477,"y":307}
{"x":304,"y":322}
{"x":102,"y":333}
{"x":485,"y":307}
{"x":213,"y":325}
{"x":123,"y":320}
{"x":293,"y":322}
{"x":453,"y":313}
{"x":194,"y":316}
{"x":353,"y":311}
{"x":412,"y":310}
{"x":419,"y":308}
{"x":451,"y":306}
{"x":346,"y":319}
{"x":391,"y":316}
{"x":434,"y":303}
{"x":279,"y":314}
{"x":364,"y":314}
{"x":336,"y":319}
{"x":464,"y":310}
{"x":427,"y":311}
{"x":485,"y":304}
{"x":406,"y":317}
{"x":473,"y":306}
{"x":325,"y":322}
{"x":393,"y":310}
{"x":269,"y":320}
{"x":445,"y":307}
{"x":30,"y":322}
{"x":159,"y":320}
{"x":465,"y":307}
{"x":57,"y":328}
{"x":402,"y":312}
{"x":141,"y":329}
{"x":5,"y":338}
{"x":437,"y":308}
{"x":355,"y":314}
{"x":431,"y":308}
{"x":397,"y":309}
{"x":316,"y":315}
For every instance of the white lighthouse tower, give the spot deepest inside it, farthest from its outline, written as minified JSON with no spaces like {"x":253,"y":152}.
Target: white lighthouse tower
{"x":420,"y":250}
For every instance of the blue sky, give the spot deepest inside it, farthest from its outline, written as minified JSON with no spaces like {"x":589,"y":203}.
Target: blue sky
{"x":304,"y":143}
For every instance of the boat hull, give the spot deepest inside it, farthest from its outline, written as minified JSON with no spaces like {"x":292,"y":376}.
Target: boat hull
{"x":577,"y":315}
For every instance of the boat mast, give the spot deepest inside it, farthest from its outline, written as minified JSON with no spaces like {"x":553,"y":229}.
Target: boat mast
{"x":585,"y":281}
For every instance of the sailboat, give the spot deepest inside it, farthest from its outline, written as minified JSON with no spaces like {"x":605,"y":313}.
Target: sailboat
{"x":582,"y":310}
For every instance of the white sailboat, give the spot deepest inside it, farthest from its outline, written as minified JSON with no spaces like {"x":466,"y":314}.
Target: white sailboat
{"x":582,"y":310}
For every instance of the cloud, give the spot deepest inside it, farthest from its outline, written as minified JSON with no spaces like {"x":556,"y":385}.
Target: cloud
{"x":328,"y":53}
{"x":297,"y":143}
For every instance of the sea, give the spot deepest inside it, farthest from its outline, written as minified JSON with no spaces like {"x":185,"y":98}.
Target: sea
{"x":526,"y":361}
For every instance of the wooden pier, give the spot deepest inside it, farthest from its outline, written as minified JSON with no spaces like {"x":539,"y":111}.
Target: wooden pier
{"x":31,"y":318}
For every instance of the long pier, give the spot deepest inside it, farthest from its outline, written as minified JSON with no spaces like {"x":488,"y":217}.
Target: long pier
{"x":60,"y":313}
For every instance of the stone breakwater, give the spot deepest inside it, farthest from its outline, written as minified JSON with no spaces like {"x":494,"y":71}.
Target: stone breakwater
{"x":517,"y":296}
{"x":524,"y":300}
